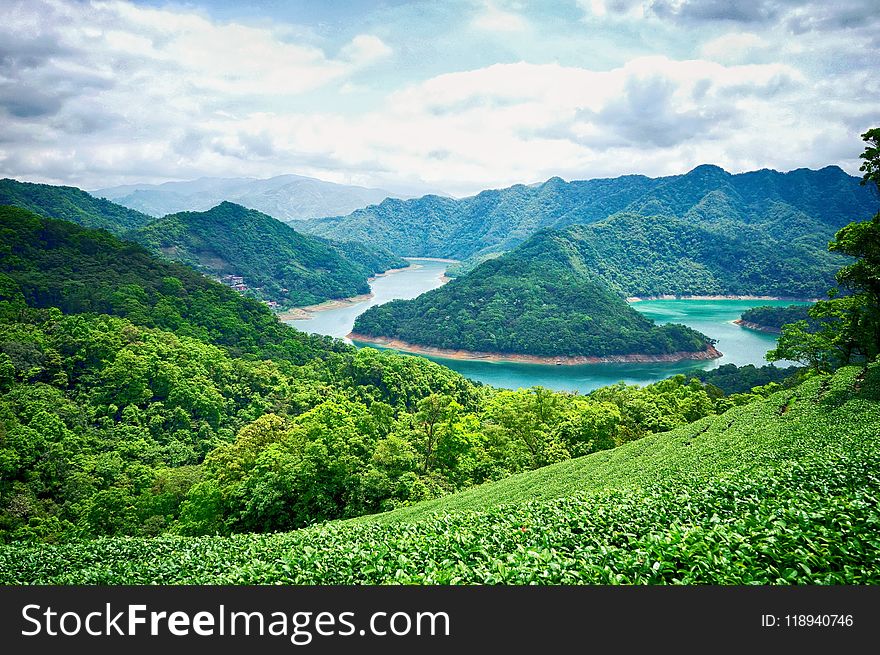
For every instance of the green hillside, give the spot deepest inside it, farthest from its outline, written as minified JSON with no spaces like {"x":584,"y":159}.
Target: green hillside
{"x":58,"y":264}
{"x":656,"y":255}
{"x":542,"y":299}
{"x":71,"y":204}
{"x":781,"y":491}
{"x":803,"y":206}
{"x":773,"y":318}
{"x":794,"y":425}
{"x":275,"y":262}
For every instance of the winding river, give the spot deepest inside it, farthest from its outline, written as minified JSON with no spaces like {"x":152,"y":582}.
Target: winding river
{"x":712,"y":317}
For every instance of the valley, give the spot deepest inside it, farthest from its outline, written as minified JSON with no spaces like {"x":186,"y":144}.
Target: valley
{"x":713,"y":317}
{"x":147,"y":405}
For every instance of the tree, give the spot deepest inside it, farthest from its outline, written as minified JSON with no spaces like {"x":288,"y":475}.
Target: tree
{"x":848,"y":328}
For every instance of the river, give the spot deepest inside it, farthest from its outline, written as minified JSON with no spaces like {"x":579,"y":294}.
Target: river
{"x":711,"y":317}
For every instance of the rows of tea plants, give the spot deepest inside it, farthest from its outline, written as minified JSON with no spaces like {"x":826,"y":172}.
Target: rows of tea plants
{"x":783,"y":491}
{"x":843,"y":410}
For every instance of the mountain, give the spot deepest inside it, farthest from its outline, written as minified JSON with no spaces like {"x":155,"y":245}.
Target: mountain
{"x":51,"y":263}
{"x":657,"y":255}
{"x":287,"y":197}
{"x":543,"y":299}
{"x":275,"y":262}
{"x":804,"y":205}
{"x":70,"y":204}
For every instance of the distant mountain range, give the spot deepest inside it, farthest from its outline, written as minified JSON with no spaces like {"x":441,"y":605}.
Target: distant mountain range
{"x":805,"y":205}
{"x":285,"y":197}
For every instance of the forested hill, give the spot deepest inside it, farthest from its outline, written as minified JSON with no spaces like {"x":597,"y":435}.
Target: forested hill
{"x":771,"y":319}
{"x":274,"y":261}
{"x":58,"y":264}
{"x":542,"y":299}
{"x":655,"y":255}
{"x":807,"y":204}
{"x":70,"y":204}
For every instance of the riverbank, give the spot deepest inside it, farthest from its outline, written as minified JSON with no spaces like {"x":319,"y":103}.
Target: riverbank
{"x":305,"y":312}
{"x":300,"y":313}
{"x":432,"y":259}
{"x":397,"y":344}
{"x":718,"y":297}
{"x":757,"y":326}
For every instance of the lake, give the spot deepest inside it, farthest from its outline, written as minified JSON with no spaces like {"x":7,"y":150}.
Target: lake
{"x":714,"y":318}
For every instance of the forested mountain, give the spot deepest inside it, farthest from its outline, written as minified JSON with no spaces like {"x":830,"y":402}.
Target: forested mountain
{"x":287,"y":197}
{"x":58,"y":264}
{"x":544,"y":299}
{"x":70,"y":204}
{"x":806,"y":206}
{"x":139,"y":397}
{"x":274,"y":261}
{"x":655,"y":255}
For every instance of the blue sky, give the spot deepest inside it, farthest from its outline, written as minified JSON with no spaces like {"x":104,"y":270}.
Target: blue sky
{"x":416,"y":96}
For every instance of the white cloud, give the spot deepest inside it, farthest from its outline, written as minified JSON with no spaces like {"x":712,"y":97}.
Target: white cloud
{"x":110,"y":93}
{"x":365,"y":49}
{"x":495,"y":19}
{"x":734,"y":47}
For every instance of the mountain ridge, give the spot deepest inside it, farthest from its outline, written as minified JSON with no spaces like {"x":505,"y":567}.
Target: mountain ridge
{"x":500,"y":219}
{"x":267,"y":257}
{"x":286,"y":197}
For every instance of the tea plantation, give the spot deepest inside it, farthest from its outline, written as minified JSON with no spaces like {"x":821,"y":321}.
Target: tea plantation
{"x":780,"y":491}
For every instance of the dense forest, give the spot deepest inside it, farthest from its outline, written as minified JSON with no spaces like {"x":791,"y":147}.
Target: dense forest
{"x":274,"y":261}
{"x":541,"y":299}
{"x":139,"y":397}
{"x":762,"y":208}
{"x":71,"y":204}
{"x":771,"y":319}
{"x":781,"y":491}
{"x":732,"y":379}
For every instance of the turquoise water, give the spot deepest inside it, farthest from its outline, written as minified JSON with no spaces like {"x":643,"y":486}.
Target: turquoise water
{"x":714,"y":318}
{"x":422,"y":276}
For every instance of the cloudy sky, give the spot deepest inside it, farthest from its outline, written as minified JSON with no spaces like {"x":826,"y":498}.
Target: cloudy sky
{"x":454,"y":96}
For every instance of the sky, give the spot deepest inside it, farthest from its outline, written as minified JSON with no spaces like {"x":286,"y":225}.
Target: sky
{"x":413,"y":97}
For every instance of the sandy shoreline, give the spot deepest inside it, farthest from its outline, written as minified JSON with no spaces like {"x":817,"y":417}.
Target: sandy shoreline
{"x":719,"y":297}
{"x":300,"y":313}
{"x":757,"y":326}
{"x":397,"y":344}
{"x":305,"y":312}
{"x":434,"y":259}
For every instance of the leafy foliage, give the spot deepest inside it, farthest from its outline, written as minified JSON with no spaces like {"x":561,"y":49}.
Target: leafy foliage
{"x":732,"y":379}
{"x":70,"y":204}
{"x":845,"y":329}
{"x":276,"y":262}
{"x":754,"y":496}
{"x":541,"y":299}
